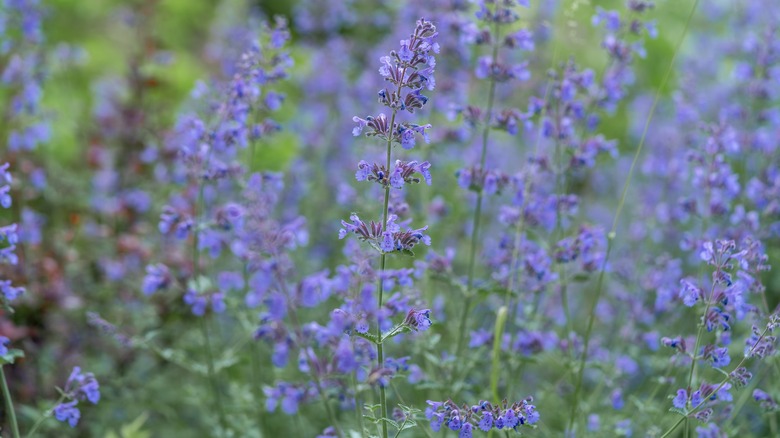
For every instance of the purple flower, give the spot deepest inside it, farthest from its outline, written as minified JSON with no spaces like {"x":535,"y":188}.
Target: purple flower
{"x":196,"y":302}
{"x":681,"y":399}
{"x":454,"y":422}
{"x":157,"y":278}
{"x":68,"y":412}
{"x":344,"y":356}
{"x":5,"y":196}
{"x":4,"y":345}
{"x":419,"y":320}
{"x":617,"y":399}
{"x":486,"y":423}
{"x":405,"y":54}
{"x":10,"y":292}
{"x":720,"y":357}
{"x":5,"y":175}
{"x":690,"y":293}
{"x":466,"y":431}
{"x":766,"y":401}
{"x":611,"y":19}
{"x":436,"y":421}
{"x":273,"y":100}
{"x":83,"y":385}
{"x":388,"y":244}
{"x":696,"y":398}
{"x":432,"y":408}
{"x":407,"y":138}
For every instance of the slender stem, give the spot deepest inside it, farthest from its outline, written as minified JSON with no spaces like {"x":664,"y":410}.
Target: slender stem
{"x":380,"y":353}
{"x":254,"y":356}
{"x":9,"y":404}
{"x":560,"y":183}
{"x":43,"y":417}
{"x":526,"y":192}
{"x":700,"y":333}
{"x":470,"y":282}
{"x":313,"y":366}
{"x":203,"y":325}
{"x":478,"y":210}
{"x":747,"y":393}
{"x":719,"y":387}
{"x":358,"y":404}
{"x":381,"y":356}
{"x":611,"y":236}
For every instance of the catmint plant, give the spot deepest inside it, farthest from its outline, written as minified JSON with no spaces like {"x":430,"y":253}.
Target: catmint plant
{"x":496,"y":17}
{"x":725,"y":303}
{"x":408,"y":71}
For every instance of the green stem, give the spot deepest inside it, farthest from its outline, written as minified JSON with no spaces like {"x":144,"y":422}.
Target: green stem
{"x":612,"y":233}
{"x":699,"y":335}
{"x":9,"y":404}
{"x":401,"y":399}
{"x":254,"y":358}
{"x":380,"y":353}
{"x":467,"y":302}
{"x":43,"y":417}
{"x":498,"y":333}
{"x":358,"y":404}
{"x":718,"y":388}
{"x":313,"y":366}
{"x":203,"y":325}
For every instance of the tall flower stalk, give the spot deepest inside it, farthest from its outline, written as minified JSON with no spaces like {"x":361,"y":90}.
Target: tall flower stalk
{"x":480,"y":179}
{"x":409,"y":70}
{"x":612,"y":234}
{"x":8,"y":293}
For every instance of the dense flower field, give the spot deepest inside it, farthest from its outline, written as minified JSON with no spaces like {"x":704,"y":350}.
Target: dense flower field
{"x":348,"y":218}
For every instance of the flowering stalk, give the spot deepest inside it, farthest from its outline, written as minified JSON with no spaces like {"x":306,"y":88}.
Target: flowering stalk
{"x":612,"y":233}
{"x":8,"y":293}
{"x":203,"y":325}
{"x":738,"y":373}
{"x":379,"y":346}
{"x":310,"y":361}
{"x":478,"y":209}
{"x":403,"y":69}
{"x":43,"y":418}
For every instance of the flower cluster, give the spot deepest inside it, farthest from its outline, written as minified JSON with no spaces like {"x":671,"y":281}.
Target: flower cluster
{"x":79,"y":387}
{"x":9,"y":237}
{"x":482,"y":180}
{"x":403,"y":173}
{"x":385,"y":239}
{"x":484,"y":416}
{"x":411,"y":68}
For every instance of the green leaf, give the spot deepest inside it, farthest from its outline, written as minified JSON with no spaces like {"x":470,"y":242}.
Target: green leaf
{"x":395,"y":331}
{"x":371,"y":408}
{"x":580,"y":278}
{"x":226,"y":361}
{"x":368,"y":336}
{"x":11,"y":356}
{"x":200,"y":284}
{"x":132,"y":430}
{"x":408,"y":424}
